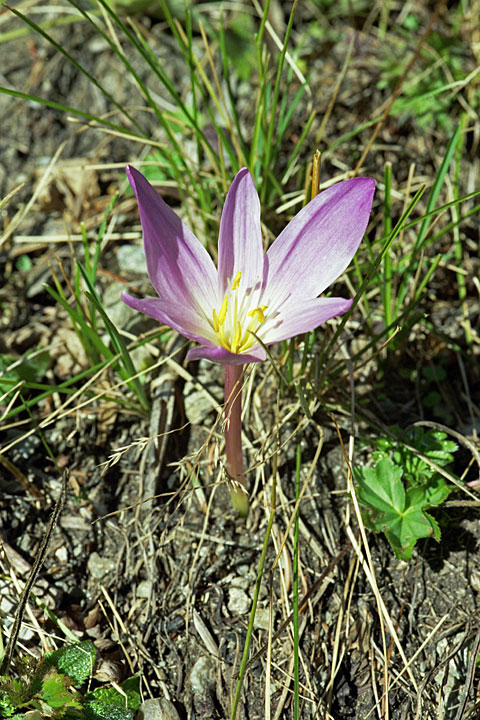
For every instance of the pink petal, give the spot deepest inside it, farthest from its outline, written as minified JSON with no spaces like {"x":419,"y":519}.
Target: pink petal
{"x":319,"y":243}
{"x":222,"y":356}
{"x":178,"y":265}
{"x":182,"y":318}
{"x":240,"y":240}
{"x":303,"y":317}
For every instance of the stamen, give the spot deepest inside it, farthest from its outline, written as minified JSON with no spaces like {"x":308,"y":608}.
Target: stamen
{"x":236,"y":338}
{"x":216,"y":324}
{"x":236,"y":280}
{"x":258,"y":313}
{"x":229,"y":322}
{"x":223,"y":311}
{"x":235,"y":310}
{"x":221,"y":337}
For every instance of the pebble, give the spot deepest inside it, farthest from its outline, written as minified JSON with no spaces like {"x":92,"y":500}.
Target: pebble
{"x":240,"y":582}
{"x":61,"y":555}
{"x":157,"y":709}
{"x":99,"y":567}
{"x":7,"y":606}
{"x":475,"y":580}
{"x":243,"y":570}
{"x":262,"y":619}
{"x":202,"y":675}
{"x":131,"y":259}
{"x":238,"y":601}
{"x":75,"y":522}
{"x":118,"y":312}
{"x":98,"y":45}
{"x":144,"y":589}
{"x":197,"y":404}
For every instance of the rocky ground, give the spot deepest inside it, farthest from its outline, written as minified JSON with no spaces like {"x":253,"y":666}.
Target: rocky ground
{"x":164,"y":586}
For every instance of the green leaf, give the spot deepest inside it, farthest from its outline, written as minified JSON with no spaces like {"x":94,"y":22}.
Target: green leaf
{"x":403,"y":532}
{"x":381,"y":488}
{"x":397,"y":512}
{"x":32,"y":368}
{"x":24,"y":263}
{"x":76,"y":661}
{"x":12,"y":694}
{"x":434,"y":374}
{"x":433,"y":444}
{"x":411,"y":22}
{"x":56,"y":692}
{"x":131,"y":687}
{"x":431,"y":493}
{"x":7,"y":708}
{"x":110,"y":696}
{"x":97,"y":710}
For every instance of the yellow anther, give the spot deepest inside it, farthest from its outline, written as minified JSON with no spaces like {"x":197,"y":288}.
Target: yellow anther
{"x":216,"y":324}
{"x":236,"y":280}
{"x":223,"y":311}
{"x":233,"y":330}
{"x":258,"y":313}
{"x":248,"y":341}
{"x":236,"y":340}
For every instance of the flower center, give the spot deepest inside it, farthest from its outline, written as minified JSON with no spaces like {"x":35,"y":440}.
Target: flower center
{"x":234,"y":323}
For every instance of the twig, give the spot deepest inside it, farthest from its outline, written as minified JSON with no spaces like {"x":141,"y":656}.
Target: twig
{"x":40,"y":557}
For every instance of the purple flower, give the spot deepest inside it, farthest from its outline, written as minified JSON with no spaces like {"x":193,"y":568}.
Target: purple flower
{"x":273,"y":296}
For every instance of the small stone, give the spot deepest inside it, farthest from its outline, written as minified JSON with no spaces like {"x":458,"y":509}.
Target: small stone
{"x":475,"y":580}
{"x":141,"y":356}
{"x":238,"y":601}
{"x":118,"y":312}
{"x":6,"y":604}
{"x":131,"y":259}
{"x":61,"y":554}
{"x":197,"y":404}
{"x":241,"y":582}
{"x":202,"y":676}
{"x":157,"y":709}
{"x":74,"y":522}
{"x":262,"y":619}
{"x":144,"y":589}
{"x":97,"y":45}
{"x":243,"y":570}
{"x":99,"y":567}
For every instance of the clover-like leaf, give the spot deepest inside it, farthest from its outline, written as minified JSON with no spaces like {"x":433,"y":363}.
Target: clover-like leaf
{"x":381,"y":488}
{"x":397,"y":512}
{"x":76,"y":661}
{"x":57,"y":692}
{"x":432,"y":444}
{"x":98,"y":710}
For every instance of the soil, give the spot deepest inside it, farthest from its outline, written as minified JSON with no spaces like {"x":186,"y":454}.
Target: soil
{"x":148,"y":558}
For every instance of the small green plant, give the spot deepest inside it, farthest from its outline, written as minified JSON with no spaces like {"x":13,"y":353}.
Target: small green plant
{"x":29,"y":369}
{"x":87,"y":317}
{"x":427,"y":96}
{"x":52,"y":688}
{"x":76,"y":661}
{"x":403,"y":485}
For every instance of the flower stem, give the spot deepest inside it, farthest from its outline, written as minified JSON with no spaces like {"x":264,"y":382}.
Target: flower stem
{"x":233,"y":437}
